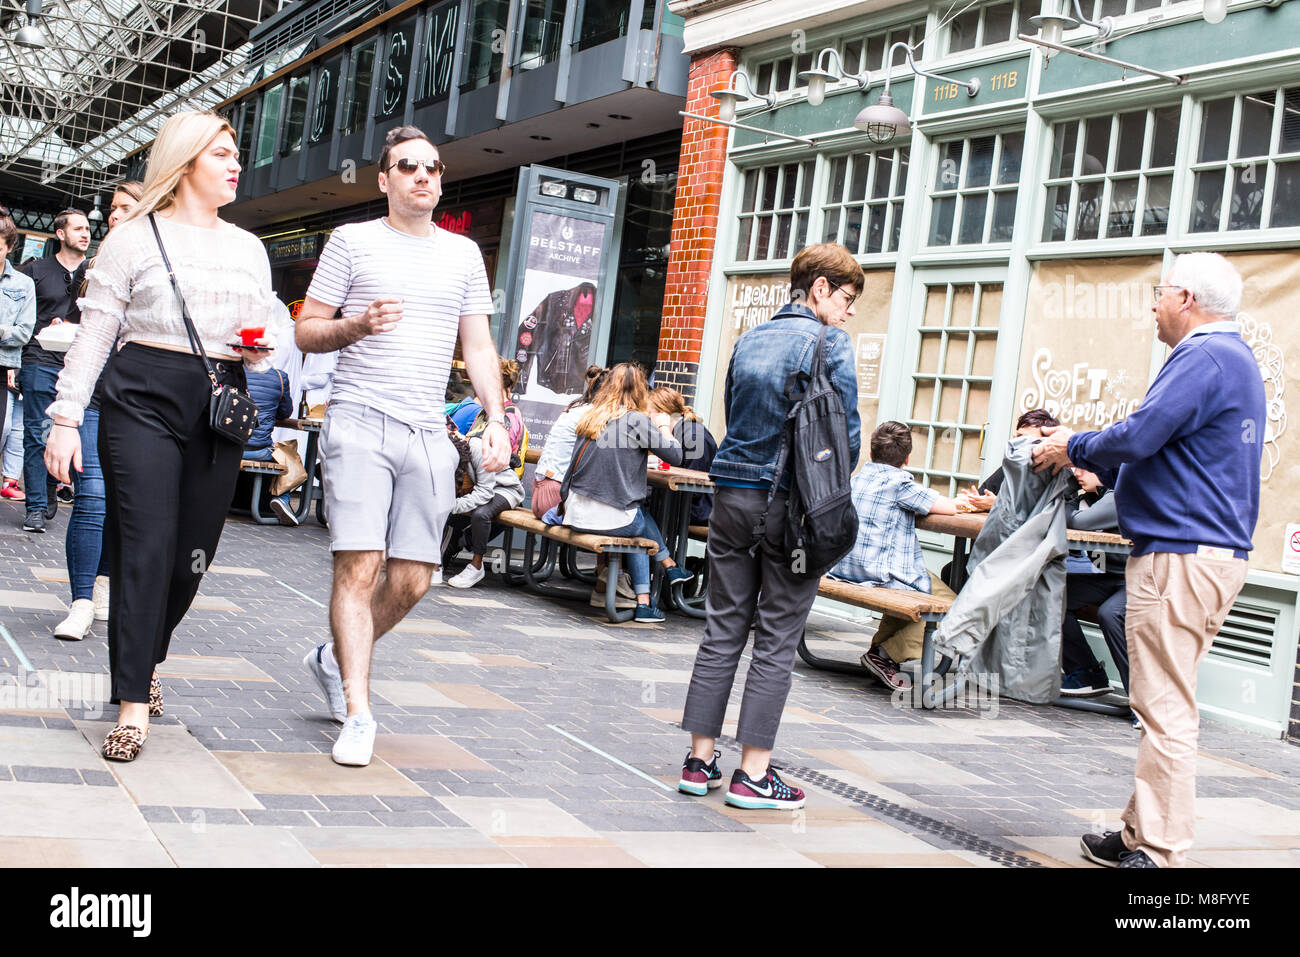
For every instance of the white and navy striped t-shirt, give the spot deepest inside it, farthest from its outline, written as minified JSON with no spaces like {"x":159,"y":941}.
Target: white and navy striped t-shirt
{"x":402,"y":373}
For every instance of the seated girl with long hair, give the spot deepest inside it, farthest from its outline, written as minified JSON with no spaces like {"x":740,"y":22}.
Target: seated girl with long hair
{"x":605,"y":488}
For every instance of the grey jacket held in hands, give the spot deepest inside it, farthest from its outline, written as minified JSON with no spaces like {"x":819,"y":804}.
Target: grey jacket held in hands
{"x":1007,"y":618}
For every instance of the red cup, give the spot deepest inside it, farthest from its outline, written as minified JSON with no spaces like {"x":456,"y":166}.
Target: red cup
{"x":250,"y":334}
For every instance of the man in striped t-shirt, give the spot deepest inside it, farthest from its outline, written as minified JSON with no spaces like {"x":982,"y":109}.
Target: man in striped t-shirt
{"x":405,"y":289}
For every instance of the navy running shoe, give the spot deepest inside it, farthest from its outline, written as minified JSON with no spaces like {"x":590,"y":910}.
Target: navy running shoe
{"x":699,"y":778}
{"x":767,"y":792}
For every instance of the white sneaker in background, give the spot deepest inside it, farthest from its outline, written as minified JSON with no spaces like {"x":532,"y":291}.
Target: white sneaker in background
{"x":467,"y":577}
{"x":356,"y":741}
{"x":100,"y":598}
{"x":77,"y":625}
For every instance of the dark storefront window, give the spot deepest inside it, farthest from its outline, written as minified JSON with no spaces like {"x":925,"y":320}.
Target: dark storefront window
{"x":247,"y":129}
{"x":358,"y":103}
{"x":643,"y":270}
{"x":398,"y":70}
{"x":327,"y":95}
{"x":543,"y":28}
{"x":487,"y":42}
{"x":439,"y":53}
{"x":267,"y":127}
{"x":295,"y":119}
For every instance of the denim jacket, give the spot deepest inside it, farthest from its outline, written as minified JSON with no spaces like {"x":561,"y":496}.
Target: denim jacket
{"x":755,"y":401}
{"x":17,"y":315}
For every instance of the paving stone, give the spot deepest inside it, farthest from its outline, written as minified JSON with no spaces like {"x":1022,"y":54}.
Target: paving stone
{"x":45,"y":775}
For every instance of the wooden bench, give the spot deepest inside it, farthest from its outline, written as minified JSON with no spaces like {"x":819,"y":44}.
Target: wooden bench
{"x":518,"y":519}
{"x":262,"y":471}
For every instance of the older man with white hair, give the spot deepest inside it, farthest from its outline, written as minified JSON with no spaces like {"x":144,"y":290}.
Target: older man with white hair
{"x":1187,"y":491}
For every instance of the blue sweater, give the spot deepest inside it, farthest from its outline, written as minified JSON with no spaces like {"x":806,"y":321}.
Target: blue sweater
{"x":1188,"y":458}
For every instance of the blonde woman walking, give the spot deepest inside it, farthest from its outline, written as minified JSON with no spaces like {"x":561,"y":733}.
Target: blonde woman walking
{"x":169,"y":476}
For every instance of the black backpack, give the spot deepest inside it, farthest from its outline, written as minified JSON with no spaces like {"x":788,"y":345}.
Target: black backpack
{"x":820,"y":523}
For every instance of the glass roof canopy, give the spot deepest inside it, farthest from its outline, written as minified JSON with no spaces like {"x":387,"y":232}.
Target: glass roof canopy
{"x":110,"y":72}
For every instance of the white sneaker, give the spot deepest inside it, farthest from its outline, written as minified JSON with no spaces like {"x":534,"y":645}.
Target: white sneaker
{"x":436,"y":577}
{"x":467,"y":577}
{"x":356,"y":741}
{"x":77,"y":625}
{"x":100,"y":598}
{"x":330,"y":685}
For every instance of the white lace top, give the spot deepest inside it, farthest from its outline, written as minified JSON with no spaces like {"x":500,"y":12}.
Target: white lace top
{"x":223,"y":273}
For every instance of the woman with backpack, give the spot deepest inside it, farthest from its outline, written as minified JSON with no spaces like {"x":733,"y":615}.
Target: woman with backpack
{"x":761,"y":586}
{"x":605,"y":488}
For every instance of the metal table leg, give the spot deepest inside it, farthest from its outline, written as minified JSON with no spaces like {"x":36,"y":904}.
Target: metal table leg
{"x":309,"y":463}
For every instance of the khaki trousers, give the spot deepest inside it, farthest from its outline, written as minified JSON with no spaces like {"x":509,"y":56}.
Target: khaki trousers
{"x":902,"y":640}
{"x":1176,"y":605}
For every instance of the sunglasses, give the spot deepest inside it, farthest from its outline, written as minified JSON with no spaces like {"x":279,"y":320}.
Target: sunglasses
{"x":409,"y":166}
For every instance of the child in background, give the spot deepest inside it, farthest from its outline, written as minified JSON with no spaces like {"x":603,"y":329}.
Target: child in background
{"x":698,"y":444}
{"x":887,"y":552}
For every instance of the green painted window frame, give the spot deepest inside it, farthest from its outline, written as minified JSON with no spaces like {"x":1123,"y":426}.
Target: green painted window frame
{"x":977,"y":22}
{"x":842,"y":204}
{"x":952,"y":189}
{"x":789,"y":209}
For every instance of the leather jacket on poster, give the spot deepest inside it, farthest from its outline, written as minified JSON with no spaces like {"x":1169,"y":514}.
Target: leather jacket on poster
{"x":556,"y":336}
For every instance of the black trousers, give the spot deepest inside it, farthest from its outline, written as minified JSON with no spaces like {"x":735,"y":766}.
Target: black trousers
{"x":479,"y":522}
{"x":1107,"y":592}
{"x":169,"y":481}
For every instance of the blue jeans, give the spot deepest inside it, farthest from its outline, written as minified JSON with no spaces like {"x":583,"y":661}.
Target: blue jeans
{"x":12,"y":441}
{"x":37,"y":385}
{"x":638,"y":564}
{"x":84,"y":546}
{"x":264,"y":455}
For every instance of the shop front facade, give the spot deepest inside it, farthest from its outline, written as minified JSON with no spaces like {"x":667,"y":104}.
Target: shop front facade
{"x":1011,"y":238}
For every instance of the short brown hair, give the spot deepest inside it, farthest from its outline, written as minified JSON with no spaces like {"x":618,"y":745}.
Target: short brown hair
{"x":891,"y":444}
{"x":400,"y":134}
{"x":8,"y":231}
{"x":831,"y":260}
{"x":132,"y":187}
{"x":61,"y":220}
{"x":1036,"y":419}
{"x":509,"y":374}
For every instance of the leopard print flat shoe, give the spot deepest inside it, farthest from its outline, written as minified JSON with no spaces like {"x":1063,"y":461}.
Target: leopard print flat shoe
{"x":155,"y":697}
{"x":124,"y":742}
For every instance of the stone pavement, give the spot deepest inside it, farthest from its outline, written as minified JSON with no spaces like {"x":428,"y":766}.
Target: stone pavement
{"x":520,"y":730}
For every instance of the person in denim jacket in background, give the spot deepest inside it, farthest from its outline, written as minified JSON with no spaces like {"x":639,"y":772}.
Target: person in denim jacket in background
{"x":17,"y":312}
{"x":825,"y":282}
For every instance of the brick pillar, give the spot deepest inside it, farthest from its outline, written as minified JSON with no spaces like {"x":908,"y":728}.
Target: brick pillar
{"x":695,"y":225}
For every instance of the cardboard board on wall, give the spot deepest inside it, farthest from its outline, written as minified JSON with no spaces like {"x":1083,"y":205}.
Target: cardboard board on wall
{"x":1089,"y":330}
{"x":752,"y":300}
{"x":1269,"y":305}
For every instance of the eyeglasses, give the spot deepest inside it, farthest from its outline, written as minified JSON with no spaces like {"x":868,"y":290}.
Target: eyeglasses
{"x":1156,"y":293}
{"x":409,"y":166}
{"x":852,"y":299}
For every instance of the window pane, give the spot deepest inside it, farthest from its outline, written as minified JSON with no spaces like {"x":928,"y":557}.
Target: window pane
{"x":790,"y":184}
{"x":1058,"y":213}
{"x":1088,"y":218}
{"x":327,"y":91}
{"x":1004,"y":215}
{"x":831,"y":229}
{"x":900,"y":182}
{"x":1096,"y":145}
{"x":884,"y":172}
{"x":949,"y":173}
{"x":439,"y":52}
{"x":769,"y":189}
{"x":997,"y":23}
{"x":398,"y":71}
{"x":1290,"y":133}
{"x":853,"y":229}
{"x":488,"y":24}
{"x":742,"y":238}
{"x":1123,"y":205}
{"x":972,"y":218}
{"x":1256,"y":124}
{"x":1013,"y":144}
{"x":751,"y":190}
{"x":961,"y":32}
{"x":764,"y":79}
{"x":782,"y":77}
{"x":805,"y":191}
{"x":1247,"y":197}
{"x":782,"y":250}
{"x":1155,"y":218}
{"x":1286,"y":196}
{"x":853,"y":56}
{"x":861,"y":169}
{"x":803,"y":63}
{"x":1164,"y":137}
{"x":875,"y":229}
{"x":1132,"y":130}
{"x":979,"y":168}
{"x":363,"y":65}
{"x":896,"y":229}
{"x":764,"y":237}
{"x":941,"y":221}
{"x":800,"y":232}
{"x":1140,"y":5}
{"x":900,"y":55}
{"x":835,"y":189}
{"x":247,"y":129}
{"x":875,"y":52}
{"x":1112,"y":8}
{"x":267,"y":126}
{"x":1208,"y":193}
{"x":296,"y":114}
{"x":1216,"y":120}
{"x":1064,"y":139}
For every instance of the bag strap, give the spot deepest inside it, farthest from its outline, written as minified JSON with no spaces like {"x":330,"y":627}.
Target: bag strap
{"x":195,"y":343}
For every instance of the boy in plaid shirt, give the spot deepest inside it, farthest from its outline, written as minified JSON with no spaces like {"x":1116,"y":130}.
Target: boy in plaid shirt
{"x":887,"y":552}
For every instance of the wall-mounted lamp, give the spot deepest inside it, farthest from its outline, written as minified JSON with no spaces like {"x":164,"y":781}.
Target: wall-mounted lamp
{"x":883,"y":121}
{"x":728,"y":97}
{"x":822,"y":74}
{"x":1215,"y":11}
{"x":1052,"y":25}
{"x":29,"y":36}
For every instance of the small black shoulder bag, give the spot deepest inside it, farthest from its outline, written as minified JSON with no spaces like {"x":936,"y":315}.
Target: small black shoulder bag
{"x":232,"y":412}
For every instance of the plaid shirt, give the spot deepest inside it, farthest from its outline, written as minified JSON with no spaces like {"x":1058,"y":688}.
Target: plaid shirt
{"x":887,"y":551}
